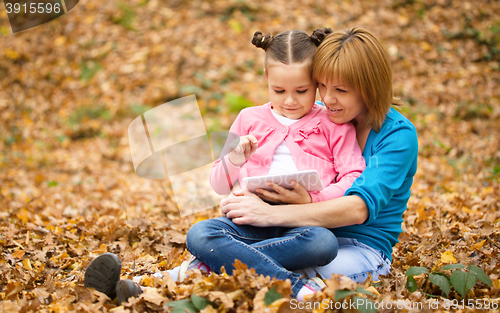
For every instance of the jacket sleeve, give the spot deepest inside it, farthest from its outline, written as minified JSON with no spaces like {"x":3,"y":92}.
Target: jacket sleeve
{"x":348,"y":163}
{"x":224,"y":173}
{"x":387,"y":168}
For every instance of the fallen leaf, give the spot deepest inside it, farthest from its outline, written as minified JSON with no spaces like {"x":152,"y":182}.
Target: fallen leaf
{"x":447,"y":257}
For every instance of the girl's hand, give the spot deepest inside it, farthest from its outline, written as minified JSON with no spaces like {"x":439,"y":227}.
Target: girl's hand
{"x":236,"y":189}
{"x":245,"y":208}
{"x":298,"y":195}
{"x":244,"y":150}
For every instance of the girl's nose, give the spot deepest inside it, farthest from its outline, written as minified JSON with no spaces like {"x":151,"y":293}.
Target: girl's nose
{"x":289,"y":100}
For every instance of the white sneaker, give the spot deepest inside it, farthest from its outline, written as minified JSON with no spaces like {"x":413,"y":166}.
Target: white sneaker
{"x":312,"y":285}
{"x":191,"y":264}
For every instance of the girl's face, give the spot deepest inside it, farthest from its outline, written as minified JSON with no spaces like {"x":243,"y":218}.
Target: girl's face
{"x":343,"y":102}
{"x":291,"y":89}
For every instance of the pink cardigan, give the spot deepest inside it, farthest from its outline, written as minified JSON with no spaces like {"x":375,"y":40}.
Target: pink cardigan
{"x":314,"y":142}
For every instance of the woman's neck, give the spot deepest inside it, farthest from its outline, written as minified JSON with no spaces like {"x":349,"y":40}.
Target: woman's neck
{"x":362,"y":132}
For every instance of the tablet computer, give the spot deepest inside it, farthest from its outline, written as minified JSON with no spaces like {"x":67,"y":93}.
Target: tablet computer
{"x":308,"y":179}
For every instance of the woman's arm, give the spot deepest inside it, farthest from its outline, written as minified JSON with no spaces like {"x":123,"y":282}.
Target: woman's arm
{"x":391,"y":166}
{"x":246,"y":208}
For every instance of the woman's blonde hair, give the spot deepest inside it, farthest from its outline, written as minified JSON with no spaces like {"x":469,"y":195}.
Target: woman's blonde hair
{"x":356,"y":58}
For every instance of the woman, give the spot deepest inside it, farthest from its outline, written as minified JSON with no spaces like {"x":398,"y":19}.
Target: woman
{"x":355,"y":84}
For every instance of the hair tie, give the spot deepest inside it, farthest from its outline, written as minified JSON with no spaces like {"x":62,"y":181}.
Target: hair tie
{"x":263,"y":38}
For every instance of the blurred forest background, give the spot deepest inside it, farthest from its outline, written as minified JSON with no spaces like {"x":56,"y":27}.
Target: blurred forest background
{"x":70,"y":88}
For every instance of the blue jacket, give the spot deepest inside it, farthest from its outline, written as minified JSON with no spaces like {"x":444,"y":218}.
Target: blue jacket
{"x":391,"y":163}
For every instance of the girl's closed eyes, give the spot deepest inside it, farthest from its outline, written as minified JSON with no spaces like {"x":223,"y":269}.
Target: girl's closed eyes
{"x":298,"y":91}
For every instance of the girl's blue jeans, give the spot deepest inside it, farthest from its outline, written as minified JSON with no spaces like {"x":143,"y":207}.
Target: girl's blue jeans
{"x":271,"y":251}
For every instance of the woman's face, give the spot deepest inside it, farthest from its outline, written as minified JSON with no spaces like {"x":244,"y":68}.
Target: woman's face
{"x":343,"y":102}
{"x":291,"y":89}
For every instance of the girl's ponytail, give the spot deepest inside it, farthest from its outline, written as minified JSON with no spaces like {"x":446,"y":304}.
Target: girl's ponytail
{"x":261,"y":41}
{"x":320,"y":34}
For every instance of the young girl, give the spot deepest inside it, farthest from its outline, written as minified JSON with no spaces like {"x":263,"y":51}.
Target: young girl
{"x":290,"y":133}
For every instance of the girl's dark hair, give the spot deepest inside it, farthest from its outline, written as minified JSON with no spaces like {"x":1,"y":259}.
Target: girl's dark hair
{"x":288,"y":47}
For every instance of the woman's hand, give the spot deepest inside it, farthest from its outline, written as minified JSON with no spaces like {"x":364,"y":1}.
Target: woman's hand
{"x":247,"y":146}
{"x":245,"y":208}
{"x":298,"y":195}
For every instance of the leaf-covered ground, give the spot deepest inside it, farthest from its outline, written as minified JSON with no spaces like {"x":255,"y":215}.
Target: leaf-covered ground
{"x":70,"y":88}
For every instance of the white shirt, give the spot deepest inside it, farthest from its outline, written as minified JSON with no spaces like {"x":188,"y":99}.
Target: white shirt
{"x":282,"y":157}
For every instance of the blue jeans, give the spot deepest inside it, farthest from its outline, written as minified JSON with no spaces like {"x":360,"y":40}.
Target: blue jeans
{"x":271,"y":251}
{"x":355,"y":260}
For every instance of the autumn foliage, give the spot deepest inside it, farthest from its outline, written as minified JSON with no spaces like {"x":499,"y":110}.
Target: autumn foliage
{"x":68,"y":191}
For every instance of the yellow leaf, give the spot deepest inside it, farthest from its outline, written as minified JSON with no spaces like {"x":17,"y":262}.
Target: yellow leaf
{"x":199,"y":219}
{"x":321,"y":309}
{"x":235,"y":26}
{"x":163,"y":264}
{"x":11,"y":54}
{"x":27,"y":264}
{"x":431,"y":117}
{"x":39,"y":178}
{"x":496,"y":283}
{"x":18,"y":254}
{"x":22,"y":214}
{"x":479,"y":245}
{"x":102,"y":248}
{"x":63,"y":256}
{"x":422,"y":215}
{"x":425,"y":46}
{"x":373,"y":290}
{"x":487,"y":191}
{"x":467,"y":210}
{"x":403,"y":19}
{"x":148,"y":281}
{"x":447,"y":257}
{"x":75,"y":265}
{"x":61,"y":40}
{"x":90,"y":19}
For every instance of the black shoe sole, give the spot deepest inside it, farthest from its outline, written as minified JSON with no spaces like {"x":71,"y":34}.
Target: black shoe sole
{"x":103,"y":273}
{"x":126,"y":289}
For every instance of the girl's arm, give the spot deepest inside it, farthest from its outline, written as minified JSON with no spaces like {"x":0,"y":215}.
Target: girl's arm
{"x":224,"y":173}
{"x":239,"y":147}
